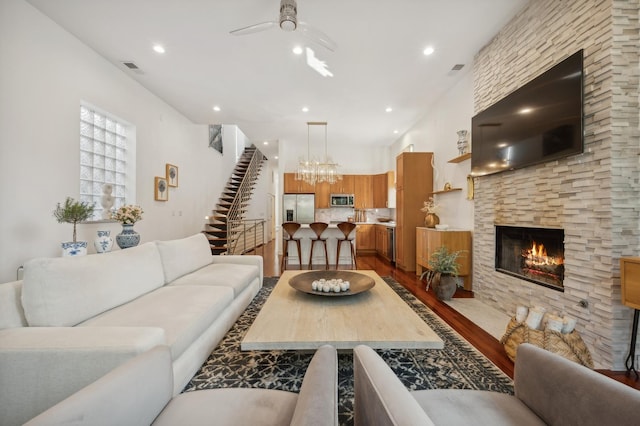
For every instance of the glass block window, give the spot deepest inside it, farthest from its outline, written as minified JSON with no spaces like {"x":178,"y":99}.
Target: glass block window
{"x":105,"y":153}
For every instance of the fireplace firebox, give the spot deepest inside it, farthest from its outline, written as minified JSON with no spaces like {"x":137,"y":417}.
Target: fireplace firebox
{"x":532,"y":254}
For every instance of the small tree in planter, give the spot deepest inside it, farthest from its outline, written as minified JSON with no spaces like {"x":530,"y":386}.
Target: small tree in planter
{"x":444,"y":277}
{"x":73,"y":212}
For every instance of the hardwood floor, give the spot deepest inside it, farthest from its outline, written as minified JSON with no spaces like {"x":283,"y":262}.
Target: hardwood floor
{"x":480,"y":339}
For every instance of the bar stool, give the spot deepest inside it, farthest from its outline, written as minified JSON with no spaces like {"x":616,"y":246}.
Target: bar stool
{"x":318,"y":228}
{"x":346,"y":228}
{"x":288,"y":231}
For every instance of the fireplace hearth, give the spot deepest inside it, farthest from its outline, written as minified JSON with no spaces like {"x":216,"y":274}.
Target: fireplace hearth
{"x":532,"y":254}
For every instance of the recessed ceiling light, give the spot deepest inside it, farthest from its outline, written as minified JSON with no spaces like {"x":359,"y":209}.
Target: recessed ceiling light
{"x":265,"y":143}
{"x":275,"y":157}
{"x":216,"y":108}
{"x":428,"y":50}
{"x":158,"y":48}
{"x":395,"y":132}
{"x":298,"y":50}
{"x":305,"y":109}
{"x":389,"y":109}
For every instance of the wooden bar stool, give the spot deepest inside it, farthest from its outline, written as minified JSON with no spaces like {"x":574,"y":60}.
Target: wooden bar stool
{"x":288,"y":231}
{"x":318,"y":228}
{"x":346,"y":228}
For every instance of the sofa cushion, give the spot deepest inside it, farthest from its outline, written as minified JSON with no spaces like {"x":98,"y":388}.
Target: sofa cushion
{"x":184,"y":312}
{"x":231,"y":275}
{"x":65,"y":291}
{"x":179,"y":257}
{"x":473,"y":407}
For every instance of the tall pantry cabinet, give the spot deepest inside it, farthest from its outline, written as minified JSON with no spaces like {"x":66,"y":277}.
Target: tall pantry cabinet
{"x":414,"y":184}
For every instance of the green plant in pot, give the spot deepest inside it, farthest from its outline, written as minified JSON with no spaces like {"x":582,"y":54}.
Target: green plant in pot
{"x":73,"y":212}
{"x":444,"y":268}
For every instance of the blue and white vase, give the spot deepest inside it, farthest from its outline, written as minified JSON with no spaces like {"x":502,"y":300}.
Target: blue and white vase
{"x":128,"y":237}
{"x":70,"y":248}
{"x":103,"y":243}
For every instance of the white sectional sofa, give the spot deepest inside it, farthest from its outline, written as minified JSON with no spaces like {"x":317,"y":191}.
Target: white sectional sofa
{"x":73,"y":319}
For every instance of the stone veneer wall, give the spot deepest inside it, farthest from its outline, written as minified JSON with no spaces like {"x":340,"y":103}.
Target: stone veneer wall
{"x":593,"y":196}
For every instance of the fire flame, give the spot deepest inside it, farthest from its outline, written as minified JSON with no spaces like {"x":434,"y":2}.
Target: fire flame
{"x":537,"y":254}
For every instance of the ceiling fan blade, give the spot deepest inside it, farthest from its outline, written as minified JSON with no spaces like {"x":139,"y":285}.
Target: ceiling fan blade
{"x":315,"y":35}
{"x":263,"y":26}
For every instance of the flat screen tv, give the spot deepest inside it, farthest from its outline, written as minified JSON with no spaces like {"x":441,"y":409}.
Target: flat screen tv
{"x":539,"y":122}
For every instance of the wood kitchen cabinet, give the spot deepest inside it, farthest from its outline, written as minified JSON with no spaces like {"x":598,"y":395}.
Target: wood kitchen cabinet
{"x":363,"y":191}
{"x":382,"y":241}
{"x":344,"y":186}
{"x":414,"y":182}
{"x":428,"y":240}
{"x":365,"y":238}
{"x":381,"y":190}
{"x":293,"y":186}
{"x":323,"y":192}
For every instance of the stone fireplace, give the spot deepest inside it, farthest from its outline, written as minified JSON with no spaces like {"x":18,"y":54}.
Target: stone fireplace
{"x":532,"y":254}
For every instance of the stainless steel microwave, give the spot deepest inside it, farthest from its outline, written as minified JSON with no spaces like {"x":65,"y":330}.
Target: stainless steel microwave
{"x":342,"y":200}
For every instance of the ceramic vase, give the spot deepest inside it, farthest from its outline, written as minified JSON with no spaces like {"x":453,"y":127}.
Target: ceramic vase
{"x":128,"y":237}
{"x":103,"y":242}
{"x":445,"y":286}
{"x":431,"y":220}
{"x":463,"y":145}
{"x":70,"y":248}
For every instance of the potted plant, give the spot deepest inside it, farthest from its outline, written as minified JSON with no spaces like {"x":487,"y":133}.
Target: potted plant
{"x":430,"y":207}
{"x":73,"y":211}
{"x":128,"y":215}
{"x":444,"y":277}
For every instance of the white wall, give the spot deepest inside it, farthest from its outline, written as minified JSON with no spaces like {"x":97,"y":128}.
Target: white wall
{"x":436,"y":132}
{"x":45,"y":74}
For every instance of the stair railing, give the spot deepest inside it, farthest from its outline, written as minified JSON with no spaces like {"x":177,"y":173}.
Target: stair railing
{"x":242,"y":197}
{"x":249,"y":236}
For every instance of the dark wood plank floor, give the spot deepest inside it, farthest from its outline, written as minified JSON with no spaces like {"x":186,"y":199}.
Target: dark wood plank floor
{"x":480,"y":339}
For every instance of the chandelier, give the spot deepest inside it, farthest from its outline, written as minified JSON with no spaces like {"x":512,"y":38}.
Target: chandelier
{"x":312,"y":170}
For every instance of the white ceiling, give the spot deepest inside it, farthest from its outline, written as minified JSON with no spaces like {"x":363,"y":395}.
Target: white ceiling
{"x":258,"y":82}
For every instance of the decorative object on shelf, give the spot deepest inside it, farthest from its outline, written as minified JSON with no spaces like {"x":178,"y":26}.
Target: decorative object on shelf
{"x":447,"y":186}
{"x":73,"y":212}
{"x":128,"y":215}
{"x":215,"y":137}
{"x":172,"y":175}
{"x":161,"y":189}
{"x":128,"y":237}
{"x":103,"y":242}
{"x":430,"y":207}
{"x":463,"y":144}
{"x":444,"y":277}
{"x":470,"y":187}
{"x":436,"y":172}
{"x":106,"y":200}
{"x":312,"y":170}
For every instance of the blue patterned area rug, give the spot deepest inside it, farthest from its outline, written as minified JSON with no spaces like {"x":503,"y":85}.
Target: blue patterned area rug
{"x":457,"y":366}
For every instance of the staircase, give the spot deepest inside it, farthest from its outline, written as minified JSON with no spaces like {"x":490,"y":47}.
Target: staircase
{"x":227,"y":226}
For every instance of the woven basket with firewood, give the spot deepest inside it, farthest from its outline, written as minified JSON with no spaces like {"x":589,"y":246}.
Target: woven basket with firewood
{"x":569,"y":345}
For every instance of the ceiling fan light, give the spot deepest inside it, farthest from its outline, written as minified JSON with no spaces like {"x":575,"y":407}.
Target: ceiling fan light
{"x":288,"y":24}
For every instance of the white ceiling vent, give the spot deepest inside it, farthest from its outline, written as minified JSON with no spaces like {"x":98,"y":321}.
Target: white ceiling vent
{"x":132,"y":66}
{"x":457,"y":67}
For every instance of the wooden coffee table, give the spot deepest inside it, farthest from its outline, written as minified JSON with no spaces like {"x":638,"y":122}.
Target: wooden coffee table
{"x":291,"y":319}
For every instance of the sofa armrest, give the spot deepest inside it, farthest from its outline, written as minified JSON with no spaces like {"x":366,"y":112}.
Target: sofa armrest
{"x":560,"y":391}
{"x":318,"y":399}
{"x":243,"y":260}
{"x":131,"y":394}
{"x":40,"y":366}
{"x":380,"y":397}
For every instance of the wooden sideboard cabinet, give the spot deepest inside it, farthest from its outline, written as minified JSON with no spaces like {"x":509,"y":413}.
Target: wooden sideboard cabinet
{"x":429,"y":240}
{"x":630,"y":281}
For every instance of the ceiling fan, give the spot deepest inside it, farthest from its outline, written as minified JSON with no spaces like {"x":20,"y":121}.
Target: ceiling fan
{"x":288,"y":21}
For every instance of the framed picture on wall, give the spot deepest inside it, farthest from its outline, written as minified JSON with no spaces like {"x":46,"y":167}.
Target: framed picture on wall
{"x":161,"y":189}
{"x":215,"y":137}
{"x":172,"y":175}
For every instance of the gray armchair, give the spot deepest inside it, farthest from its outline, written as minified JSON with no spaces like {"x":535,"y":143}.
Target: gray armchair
{"x":139,"y":392}
{"x":549,"y":389}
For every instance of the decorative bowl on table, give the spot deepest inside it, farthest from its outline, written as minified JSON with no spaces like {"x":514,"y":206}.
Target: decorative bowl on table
{"x":332,"y":283}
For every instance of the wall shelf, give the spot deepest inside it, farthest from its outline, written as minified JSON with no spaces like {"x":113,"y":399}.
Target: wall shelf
{"x":444,"y":192}
{"x":460,"y":158}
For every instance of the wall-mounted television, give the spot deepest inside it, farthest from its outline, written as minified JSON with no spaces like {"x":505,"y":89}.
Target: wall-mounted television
{"x":539,"y":122}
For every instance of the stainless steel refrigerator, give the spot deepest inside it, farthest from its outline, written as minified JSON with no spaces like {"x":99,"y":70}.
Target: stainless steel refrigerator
{"x":298,"y":208}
